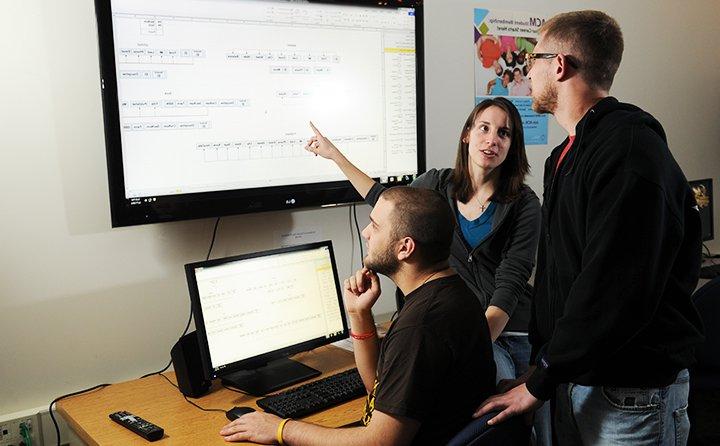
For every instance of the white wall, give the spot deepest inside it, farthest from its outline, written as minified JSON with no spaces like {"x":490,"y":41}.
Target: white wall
{"x":82,"y":304}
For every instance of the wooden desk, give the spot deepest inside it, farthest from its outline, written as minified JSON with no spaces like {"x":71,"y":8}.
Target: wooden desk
{"x":155,"y":400}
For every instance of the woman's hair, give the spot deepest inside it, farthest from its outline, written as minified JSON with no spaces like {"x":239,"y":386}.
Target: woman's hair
{"x":520,"y":57}
{"x":512,"y":171}
{"x":511,"y":62}
{"x":509,"y":74}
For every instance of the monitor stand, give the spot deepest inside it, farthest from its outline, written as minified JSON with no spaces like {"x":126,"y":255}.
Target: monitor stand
{"x":275,"y":375}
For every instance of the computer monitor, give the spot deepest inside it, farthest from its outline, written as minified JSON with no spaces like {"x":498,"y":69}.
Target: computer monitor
{"x":252,"y":311}
{"x":704,"y":198}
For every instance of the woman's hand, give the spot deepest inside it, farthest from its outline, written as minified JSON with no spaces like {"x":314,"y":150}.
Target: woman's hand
{"x":320,"y":145}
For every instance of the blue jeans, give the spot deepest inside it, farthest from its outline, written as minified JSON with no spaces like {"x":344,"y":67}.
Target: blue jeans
{"x":512,"y":358}
{"x":595,"y":415}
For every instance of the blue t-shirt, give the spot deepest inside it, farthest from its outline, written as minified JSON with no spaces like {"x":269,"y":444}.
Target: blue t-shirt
{"x":498,"y":89}
{"x":475,"y":231}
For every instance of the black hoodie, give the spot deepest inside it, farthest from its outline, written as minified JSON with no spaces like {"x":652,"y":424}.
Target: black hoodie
{"x":618,"y":259}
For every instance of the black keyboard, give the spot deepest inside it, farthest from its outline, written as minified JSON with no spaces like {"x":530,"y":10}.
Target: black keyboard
{"x":710,"y":271}
{"x":315,"y":396}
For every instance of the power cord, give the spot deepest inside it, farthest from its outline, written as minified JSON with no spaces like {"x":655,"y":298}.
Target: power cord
{"x":357,"y":228}
{"x":708,"y":255}
{"x":187,"y":326}
{"x":52,"y":416}
{"x":167,"y":366}
{"x":186,"y":398}
{"x":212,"y":242}
{"x":159,"y":372}
{"x":707,"y":250}
{"x":352,"y":239}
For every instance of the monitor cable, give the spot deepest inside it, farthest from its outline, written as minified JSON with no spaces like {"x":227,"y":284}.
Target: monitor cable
{"x":708,"y":255}
{"x":352,"y":238}
{"x":159,"y":372}
{"x":357,"y":228}
{"x":212,"y":242}
{"x":52,"y":416}
{"x":187,"y":326}
{"x":186,"y":398}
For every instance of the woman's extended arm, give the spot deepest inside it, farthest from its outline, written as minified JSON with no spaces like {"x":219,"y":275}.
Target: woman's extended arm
{"x":320,"y":145}
{"x":497,"y":319}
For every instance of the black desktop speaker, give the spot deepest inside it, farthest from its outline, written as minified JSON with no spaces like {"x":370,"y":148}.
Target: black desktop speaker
{"x":186,"y":360}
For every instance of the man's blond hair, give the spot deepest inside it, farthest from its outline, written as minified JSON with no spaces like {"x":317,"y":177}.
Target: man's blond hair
{"x":592,"y":39}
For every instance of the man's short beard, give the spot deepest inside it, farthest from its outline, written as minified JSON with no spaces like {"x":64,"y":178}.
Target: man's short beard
{"x":547,"y":101}
{"x":385,"y":263}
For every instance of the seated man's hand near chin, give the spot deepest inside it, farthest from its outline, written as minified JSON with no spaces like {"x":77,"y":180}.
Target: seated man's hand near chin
{"x":258,"y":427}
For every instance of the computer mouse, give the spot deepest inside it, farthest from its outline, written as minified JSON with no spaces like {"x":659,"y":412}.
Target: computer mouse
{"x":237,"y":412}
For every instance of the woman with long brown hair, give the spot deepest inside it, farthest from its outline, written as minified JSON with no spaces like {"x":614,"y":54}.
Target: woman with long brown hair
{"x":497,"y":220}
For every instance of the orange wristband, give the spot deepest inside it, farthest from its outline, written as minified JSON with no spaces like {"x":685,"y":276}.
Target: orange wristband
{"x":363,"y":336}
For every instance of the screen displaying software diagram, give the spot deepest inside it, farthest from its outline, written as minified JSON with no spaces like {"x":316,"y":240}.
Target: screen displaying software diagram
{"x":264,"y":304}
{"x":217,"y":94}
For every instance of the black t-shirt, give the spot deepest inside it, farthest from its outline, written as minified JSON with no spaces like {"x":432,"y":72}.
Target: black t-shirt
{"x":436,"y":364}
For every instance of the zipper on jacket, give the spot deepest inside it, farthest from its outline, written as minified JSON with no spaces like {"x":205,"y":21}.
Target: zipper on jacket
{"x":468,"y":248}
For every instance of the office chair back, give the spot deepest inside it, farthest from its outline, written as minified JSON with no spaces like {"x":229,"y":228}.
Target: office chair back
{"x":704,"y":397}
{"x":707,"y":302}
{"x":511,"y":432}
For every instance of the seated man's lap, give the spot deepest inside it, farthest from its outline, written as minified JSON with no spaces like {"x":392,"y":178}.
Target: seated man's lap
{"x":512,"y":356}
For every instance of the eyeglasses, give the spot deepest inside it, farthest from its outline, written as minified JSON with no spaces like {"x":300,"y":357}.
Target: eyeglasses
{"x":532,"y":56}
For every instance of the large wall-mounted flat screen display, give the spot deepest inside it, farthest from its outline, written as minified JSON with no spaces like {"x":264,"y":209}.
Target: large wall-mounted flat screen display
{"x":207,"y":102}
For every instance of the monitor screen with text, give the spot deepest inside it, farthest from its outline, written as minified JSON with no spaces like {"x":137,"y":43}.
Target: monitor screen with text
{"x":214,"y":96}
{"x":263,"y":304}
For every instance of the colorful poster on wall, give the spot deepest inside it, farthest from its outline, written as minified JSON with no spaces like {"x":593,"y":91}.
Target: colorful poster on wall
{"x":502,"y":40}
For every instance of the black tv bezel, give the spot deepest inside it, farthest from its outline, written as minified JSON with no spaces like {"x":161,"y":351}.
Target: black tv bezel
{"x":259,"y":360}
{"x":128,"y":212}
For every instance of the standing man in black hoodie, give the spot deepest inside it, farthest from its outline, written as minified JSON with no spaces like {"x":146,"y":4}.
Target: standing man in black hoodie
{"x":613,"y":326}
